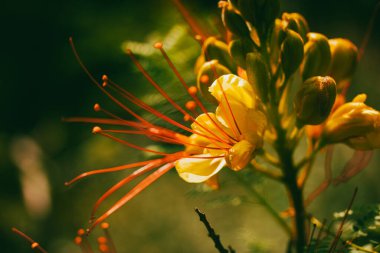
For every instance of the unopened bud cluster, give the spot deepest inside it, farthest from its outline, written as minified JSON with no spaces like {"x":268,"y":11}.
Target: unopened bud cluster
{"x":281,"y":58}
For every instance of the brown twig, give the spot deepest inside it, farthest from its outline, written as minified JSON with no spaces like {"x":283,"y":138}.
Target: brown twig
{"x":211,"y":233}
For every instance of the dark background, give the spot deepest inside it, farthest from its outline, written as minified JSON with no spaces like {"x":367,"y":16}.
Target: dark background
{"x":40,"y":82}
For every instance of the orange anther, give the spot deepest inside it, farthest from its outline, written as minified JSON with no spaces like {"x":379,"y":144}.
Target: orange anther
{"x":96,"y":107}
{"x":198,"y":37}
{"x":102,"y":240}
{"x":78,"y":240}
{"x":104,"y":78}
{"x":105,"y":225}
{"x":81,"y":231}
{"x":190,"y":105}
{"x":204,"y":79}
{"x":35,"y":245}
{"x":104,"y":248}
{"x":192,"y":90}
{"x":158,"y":45}
{"x":95,"y":130}
{"x":186,"y":117}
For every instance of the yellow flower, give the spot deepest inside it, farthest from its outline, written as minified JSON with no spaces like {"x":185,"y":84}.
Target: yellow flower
{"x":227,"y":137}
{"x":238,"y":124}
{"x":355,"y":124}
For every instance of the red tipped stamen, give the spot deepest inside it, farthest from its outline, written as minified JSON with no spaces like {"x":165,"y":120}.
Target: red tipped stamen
{"x":92,"y":78}
{"x":33,"y":244}
{"x":191,"y":90}
{"x":111,"y":244}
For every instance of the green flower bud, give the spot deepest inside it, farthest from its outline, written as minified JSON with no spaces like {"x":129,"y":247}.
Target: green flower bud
{"x":258,"y":75}
{"x":214,"y":49}
{"x":291,"y":52}
{"x":234,"y":22}
{"x":344,"y":58}
{"x":239,"y":50}
{"x":260,"y":13}
{"x":297,"y":23}
{"x":210,"y":71}
{"x":355,"y":124}
{"x":315,"y":99}
{"x":317,"y":56}
{"x":277,"y":36}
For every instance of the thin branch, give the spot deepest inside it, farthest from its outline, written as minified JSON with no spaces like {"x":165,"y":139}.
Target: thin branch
{"x":211,"y":233}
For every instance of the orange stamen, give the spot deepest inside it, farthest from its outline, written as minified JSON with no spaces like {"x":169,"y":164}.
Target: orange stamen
{"x":92,"y":78}
{"x":132,"y":193}
{"x":107,"y":170}
{"x":131,"y":145}
{"x":111,"y":244}
{"x":197,"y":31}
{"x":33,"y":244}
{"x":191,"y":91}
{"x":126,"y":180}
{"x":187,"y":117}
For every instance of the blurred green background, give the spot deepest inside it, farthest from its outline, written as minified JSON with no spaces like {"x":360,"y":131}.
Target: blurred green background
{"x":41,"y":82}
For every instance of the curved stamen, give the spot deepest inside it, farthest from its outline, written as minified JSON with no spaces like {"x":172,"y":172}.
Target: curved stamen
{"x":184,"y":84}
{"x":107,"y":170}
{"x":132,"y":193}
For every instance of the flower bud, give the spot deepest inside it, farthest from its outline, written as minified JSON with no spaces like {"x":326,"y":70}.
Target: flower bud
{"x":214,"y":49}
{"x":313,"y":102}
{"x":276,"y":38}
{"x":260,"y":13}
{"x":344,"y":58}
{"x":239,"y":50}
{"x":297,"y":23}
{"x":210,"y":71}
{"x":355,"y":124}
{"x":291,"y":52}
{"x":317,"y":56}
{"x":258,"y":75}
{"x":234,"y":22}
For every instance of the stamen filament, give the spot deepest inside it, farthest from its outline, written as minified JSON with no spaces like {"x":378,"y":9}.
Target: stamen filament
{"x":132,"y":193}
{"x":33,"y":243}
{"x":193,"y":95}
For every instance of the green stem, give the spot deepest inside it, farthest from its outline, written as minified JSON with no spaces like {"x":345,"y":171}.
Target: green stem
{"x":265,"y":204}
{"x":285,"y":154}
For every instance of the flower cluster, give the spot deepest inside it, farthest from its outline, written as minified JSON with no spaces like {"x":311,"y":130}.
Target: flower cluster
{"x":272,"y":82}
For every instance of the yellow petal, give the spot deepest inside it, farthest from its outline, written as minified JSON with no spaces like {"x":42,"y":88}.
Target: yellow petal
{"x":235,"y":88}
{"x":209,"y":127}
{"x":197,"y":170}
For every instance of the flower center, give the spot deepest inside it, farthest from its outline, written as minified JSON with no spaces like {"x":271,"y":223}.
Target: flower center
{"x":239,"y":155}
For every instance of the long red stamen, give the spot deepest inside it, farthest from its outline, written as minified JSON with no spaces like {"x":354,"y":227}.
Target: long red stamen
{"x":190,"y":20}
{"x":98,"y":130}
{"x":105,"y":226}
{"x":183,"y":82}
{"x":159,"y":137}
{"x":92,"y":78}
{"x":126,"y":180}
{"x":146,"y":107}
{"x":132,"y":193}
{"x":33,"y":243}
{"x":111,"y":169}
{"x":228,"y":104}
